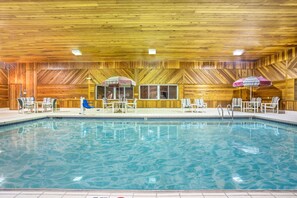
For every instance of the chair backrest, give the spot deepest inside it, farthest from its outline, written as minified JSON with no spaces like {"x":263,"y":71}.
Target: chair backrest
{"x":258,"y":100}
{"x":199,"y":102}
{"x":54,"y":101}
{"x":135,"y":101}
{"x":104,"y":100}
{"x":253,"y":99}
{"x":274,"y":101}
{"x":236,"y":102}
{"x":86,"y":104}
{"x":185,"y":102}
{"x":21,"y":102}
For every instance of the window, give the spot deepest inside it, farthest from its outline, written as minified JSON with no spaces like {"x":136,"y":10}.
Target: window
{"x":114,"y":93}
{"x":158,"y":92}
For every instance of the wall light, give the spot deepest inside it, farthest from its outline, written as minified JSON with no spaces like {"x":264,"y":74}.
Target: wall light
{"x":76,"y":52}
{"x":238,"y":52}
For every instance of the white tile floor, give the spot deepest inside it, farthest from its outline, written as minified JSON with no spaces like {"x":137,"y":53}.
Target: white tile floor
{"x":8,"y":116}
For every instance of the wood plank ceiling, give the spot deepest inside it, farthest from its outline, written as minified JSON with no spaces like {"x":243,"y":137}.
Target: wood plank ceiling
{"x":104,"y":30}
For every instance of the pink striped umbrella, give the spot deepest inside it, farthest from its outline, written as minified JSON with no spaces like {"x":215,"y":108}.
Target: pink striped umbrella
{"x":252,"y":81}
{"x":119,"y":81}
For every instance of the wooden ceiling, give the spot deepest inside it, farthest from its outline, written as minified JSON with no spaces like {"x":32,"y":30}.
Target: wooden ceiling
{"x":206,"y":30}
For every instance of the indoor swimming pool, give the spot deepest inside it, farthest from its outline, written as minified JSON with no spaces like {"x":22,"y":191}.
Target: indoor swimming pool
{"x":153,"y":154}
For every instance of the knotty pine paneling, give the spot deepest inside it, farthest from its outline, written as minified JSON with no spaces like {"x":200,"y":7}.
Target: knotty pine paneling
{"x":159,"y":76}
{"x":62,"y":91}
{"x":3,"y":88}
{"x":212,"y":94}
{"x":123,"y":30}
{"x":3,"y":95}
{"x":279,"y":70}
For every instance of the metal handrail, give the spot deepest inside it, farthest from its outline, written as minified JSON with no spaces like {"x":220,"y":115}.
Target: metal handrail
{"x":219,"y":107}
{"x":229,"y":108}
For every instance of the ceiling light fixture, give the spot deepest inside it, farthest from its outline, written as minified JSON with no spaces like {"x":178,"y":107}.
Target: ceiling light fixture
{"x":76,"y":52}
{"x":152,"y":51}
{"x":238,"y":52}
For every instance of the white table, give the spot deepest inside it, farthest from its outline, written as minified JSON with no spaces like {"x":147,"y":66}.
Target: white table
{"x":120,"y":106}
{"x":250,"y":105}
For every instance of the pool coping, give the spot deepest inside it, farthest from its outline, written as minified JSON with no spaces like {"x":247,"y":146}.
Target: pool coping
{"x":143,"y":116}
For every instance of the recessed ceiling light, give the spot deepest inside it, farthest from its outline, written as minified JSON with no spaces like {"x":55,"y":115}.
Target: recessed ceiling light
{"x":238,"y":52}
{"x":76,"y":52}
{"x":152,"y":51}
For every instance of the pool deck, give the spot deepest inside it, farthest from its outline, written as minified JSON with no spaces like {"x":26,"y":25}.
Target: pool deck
{"x":11,"y":116}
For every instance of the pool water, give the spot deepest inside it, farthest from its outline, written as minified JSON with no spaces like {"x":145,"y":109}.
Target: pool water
{"x":142,"y":154}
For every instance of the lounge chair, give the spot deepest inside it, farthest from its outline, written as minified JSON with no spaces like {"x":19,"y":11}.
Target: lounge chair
{"x":186,"y":104}
{"x":106,"y":104}
{"x":236,"y":103}
{"x":132,"y":105}
{"x":272,"y":105}
{"x":25,"y":103}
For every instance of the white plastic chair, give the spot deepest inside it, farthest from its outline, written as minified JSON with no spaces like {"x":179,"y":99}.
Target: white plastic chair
{"x":186,"y":104}
{"x":200,"y":104}
{"x":237,"y":103}
{"x":272,"y":105}
{"x":132,"y":105}
{"x":106,"y":104}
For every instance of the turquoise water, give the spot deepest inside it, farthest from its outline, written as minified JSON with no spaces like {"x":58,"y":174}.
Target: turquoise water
{"x":153,"y":154}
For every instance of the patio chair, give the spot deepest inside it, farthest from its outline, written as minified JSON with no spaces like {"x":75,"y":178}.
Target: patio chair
{"x":25,"y":103}
{"x":236,"y":103}
{"x":46,"y":104}
{"x":186,"y":104}
{"x":21,"y":105}
{"x":132,"y":105}
{"x":272,"y":105}
{"x":54,"y":104}
{"x":199,"y":104}
{"x":86,"y":104}
{"x":106,"y":104}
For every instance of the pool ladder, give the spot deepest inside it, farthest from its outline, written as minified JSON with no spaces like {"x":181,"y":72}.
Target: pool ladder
{"x":229,"y":110}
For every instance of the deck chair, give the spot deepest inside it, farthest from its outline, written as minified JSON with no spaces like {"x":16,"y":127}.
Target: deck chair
{"x":106,"y":104}
{"x":186,"y":104}
{"x":272,"y":105}
{"x":236,"y":103}
{"x":132,"y":105}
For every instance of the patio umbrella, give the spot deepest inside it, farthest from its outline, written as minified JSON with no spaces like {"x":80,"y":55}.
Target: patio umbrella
{"x":252,"y":81}
{"x":118,"y":81}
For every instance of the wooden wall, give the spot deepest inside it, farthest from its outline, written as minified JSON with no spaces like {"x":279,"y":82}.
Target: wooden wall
{"x":3,"y":88}
{"x":209,"y":80}
{"x":68,"y":81}
{"x":283,"y":73}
